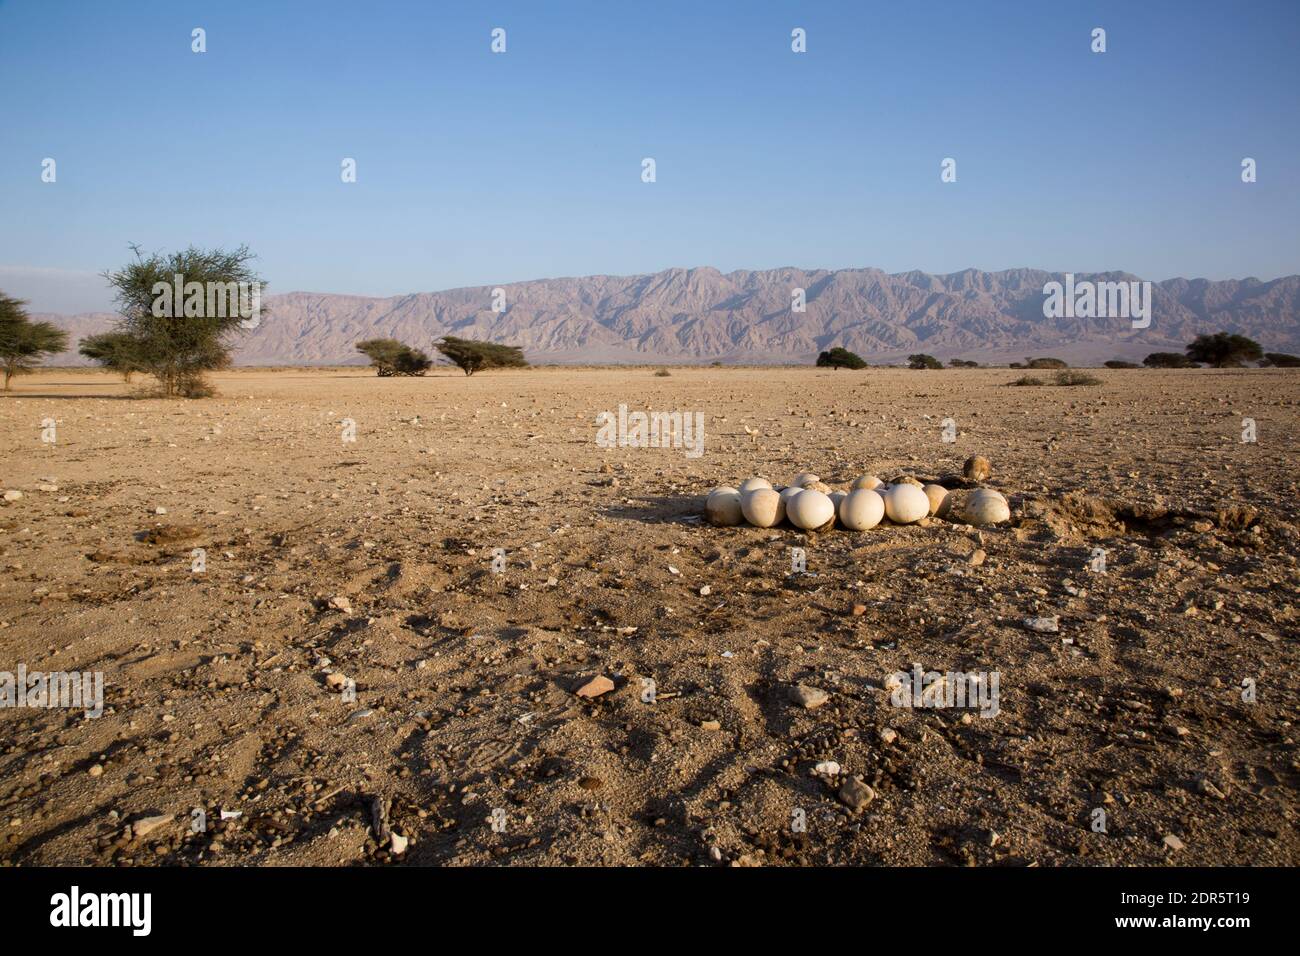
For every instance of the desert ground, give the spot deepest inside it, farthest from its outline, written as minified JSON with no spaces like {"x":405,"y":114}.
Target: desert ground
{"x":350,"y":679}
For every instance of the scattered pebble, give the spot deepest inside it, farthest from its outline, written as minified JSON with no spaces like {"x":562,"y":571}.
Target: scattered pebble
{"x":600,"y":684}
{"x":147,"y":825}
{"x":855,"y":794}
{"x":810,"y":698}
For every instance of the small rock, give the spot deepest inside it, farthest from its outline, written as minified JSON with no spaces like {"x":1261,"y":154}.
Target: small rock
{"x":335,"y":681}
{"x":13,"y":495}
{"x":398,"y":843}
{"x":706,"y":591}
{"x":888,"y":735}
{"x":809,"y":698}
{"x":1044,"y":625}
{"x":97,"y":770}
{"x":146,"y":825}
{"x":160,"y":510}
{"x":600,"y":684}
{"x":710,"y":725}
{"x":341,"y":603}
{"x":977,"y":557}
{"x":859,"y":610}
{"x":977,"y":468}
{"x":828,"y":767}
{"x":856,"y":794}
{"x":1210,"y":790}
{"x":1172,"y":842}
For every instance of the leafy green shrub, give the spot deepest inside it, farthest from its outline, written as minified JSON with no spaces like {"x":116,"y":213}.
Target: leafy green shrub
{"x":1076,"y":378}
{"x":113,"y":350}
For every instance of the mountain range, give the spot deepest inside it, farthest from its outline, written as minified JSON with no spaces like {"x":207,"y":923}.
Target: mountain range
{"x":702,"y":315}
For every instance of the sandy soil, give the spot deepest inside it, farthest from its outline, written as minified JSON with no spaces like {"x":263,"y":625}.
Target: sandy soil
{"x":372,"y":561}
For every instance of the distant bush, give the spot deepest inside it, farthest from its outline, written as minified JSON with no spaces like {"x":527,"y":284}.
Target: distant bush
{"x":1116,"y":363}
{"x":1060,"y":378}
{"x":1168,"y":360}
{"x":840,"y":358}
{"x":1223,"y":350}
{"x":473,"y":356}
{"x":663,"y":373}
{"x":963,"y":363}
{"x":1076,"y":378}
{"x":391,"y":357}
{"x":921,"y":360}
{"x":1282,"y":359}
{"x":1045,"y":363}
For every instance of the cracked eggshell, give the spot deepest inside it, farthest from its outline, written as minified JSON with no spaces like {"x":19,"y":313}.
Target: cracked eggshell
{"x":985,"y":507}
{"x":762,"y":507}
{"x":818,"y":486}
{"x":906,"y":503}
{"x":811,"y":510}
{"x":867,"y":481}
{"x":939,"y":503}
{"x":750,"y":484}
{"x":861,"y":509}
{"x":722,"y":507}
{"x":803,"y":479}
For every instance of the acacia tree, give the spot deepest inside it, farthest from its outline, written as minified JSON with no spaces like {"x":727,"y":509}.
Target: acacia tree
{"x":391,"y":357}
{"x":922,"y":360}
{"x":838,"y":358}
{"x":112,"y":350}
{"x":23,"y":343}
{"x":1223,"y":350}
{"x":473,"y":356}
{"x":177,"y":340}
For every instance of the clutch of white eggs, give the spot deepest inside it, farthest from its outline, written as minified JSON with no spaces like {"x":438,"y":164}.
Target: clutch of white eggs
{"x":812,"y":505}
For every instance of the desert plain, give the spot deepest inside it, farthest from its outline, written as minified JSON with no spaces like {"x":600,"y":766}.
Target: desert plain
{"x":354,"y":675}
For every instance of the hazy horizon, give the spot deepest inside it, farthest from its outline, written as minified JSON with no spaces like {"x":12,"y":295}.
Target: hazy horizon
{"x":52,"y":290}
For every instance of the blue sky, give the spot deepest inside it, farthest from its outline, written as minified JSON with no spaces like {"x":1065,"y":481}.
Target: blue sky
{"x":478,"y":168}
